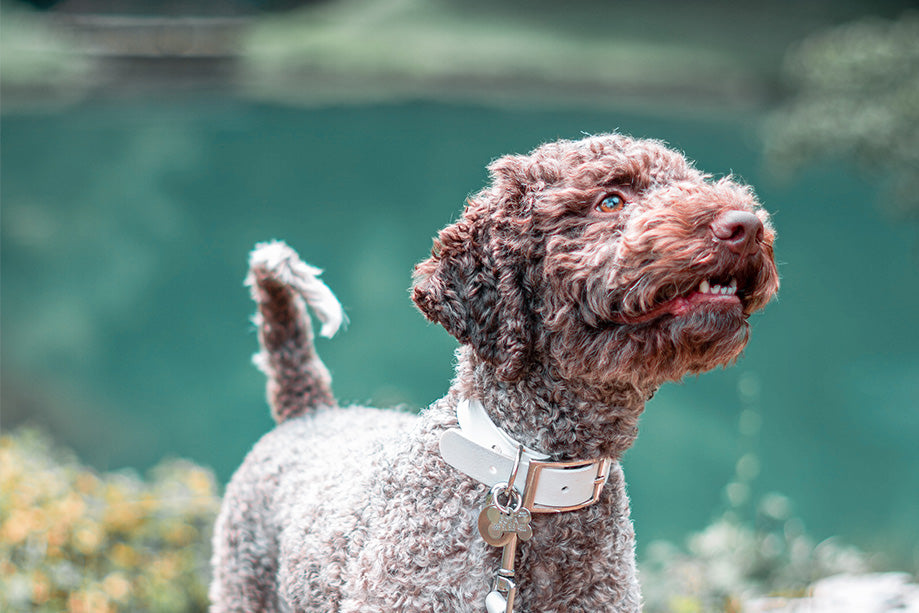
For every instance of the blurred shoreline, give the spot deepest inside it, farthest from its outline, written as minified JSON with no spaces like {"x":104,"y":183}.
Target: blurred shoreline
{"x":351,"y":51}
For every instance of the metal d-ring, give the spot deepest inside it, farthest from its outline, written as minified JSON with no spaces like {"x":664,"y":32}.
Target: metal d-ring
{"x":509,"y":489}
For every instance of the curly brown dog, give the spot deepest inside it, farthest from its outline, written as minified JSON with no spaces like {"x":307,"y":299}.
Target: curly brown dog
{"x":584,"y":276}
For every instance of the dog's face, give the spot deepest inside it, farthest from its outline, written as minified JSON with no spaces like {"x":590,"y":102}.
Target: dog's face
{"x":609,"y":259}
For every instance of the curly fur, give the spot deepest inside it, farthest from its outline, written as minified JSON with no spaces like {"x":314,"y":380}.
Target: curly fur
{"x":569,"y":317}
{"x":281,"y":285}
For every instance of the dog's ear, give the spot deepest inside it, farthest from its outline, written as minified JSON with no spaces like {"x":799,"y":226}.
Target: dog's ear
{"x":508,"y":183}
{"x":472,"y":284}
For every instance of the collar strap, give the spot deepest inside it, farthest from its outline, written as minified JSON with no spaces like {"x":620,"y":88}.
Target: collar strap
{"x":486,"y":453}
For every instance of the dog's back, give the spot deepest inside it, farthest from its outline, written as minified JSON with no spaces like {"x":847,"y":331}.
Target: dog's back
{"x":305,"y":460}
{"x":301,"y":487}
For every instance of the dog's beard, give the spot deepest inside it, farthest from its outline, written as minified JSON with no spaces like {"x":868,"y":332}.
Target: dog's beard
{"x":665,"y":349}
{"x":705,"y":339}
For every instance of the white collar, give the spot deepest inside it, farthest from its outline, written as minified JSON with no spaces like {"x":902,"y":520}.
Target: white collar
{"x":475,"y":423}
{"x":486,"y":453}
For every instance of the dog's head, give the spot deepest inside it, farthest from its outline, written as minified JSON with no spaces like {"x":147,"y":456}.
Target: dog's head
{"x":608,"y":259}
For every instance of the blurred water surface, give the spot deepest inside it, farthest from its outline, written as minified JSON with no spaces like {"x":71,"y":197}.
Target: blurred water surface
{"x":126,"y":228}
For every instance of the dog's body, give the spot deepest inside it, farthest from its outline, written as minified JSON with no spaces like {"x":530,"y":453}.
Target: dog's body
{"x":587,"y":274}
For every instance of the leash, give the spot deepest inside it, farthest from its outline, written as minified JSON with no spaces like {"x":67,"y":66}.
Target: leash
{"x":481,"y":450}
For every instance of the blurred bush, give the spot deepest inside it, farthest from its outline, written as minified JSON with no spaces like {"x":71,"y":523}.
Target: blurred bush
{"x":731,"y":562}
{"x":856,"y":95}
{"x":512,"y":52}
{"x":38,"y":59}
{"x":755,"y":549}
{"x":73,"y":540}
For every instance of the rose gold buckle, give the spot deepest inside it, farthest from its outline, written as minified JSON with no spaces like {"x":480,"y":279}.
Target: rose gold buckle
{"x":532,"y":483}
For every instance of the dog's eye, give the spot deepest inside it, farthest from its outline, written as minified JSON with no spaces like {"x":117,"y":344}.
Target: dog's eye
{"x":611,"y":203}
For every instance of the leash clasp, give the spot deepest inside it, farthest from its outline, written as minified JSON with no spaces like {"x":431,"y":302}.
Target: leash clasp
{"x":501,"y":597}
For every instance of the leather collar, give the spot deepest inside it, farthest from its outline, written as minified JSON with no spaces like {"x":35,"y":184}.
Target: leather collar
{"x":481,"y":450}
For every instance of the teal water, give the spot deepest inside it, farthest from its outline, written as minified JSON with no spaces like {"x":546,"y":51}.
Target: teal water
{"x":125,"y":231}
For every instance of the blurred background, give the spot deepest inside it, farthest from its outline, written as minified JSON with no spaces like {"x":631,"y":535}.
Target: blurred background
{"x":148,"y":145}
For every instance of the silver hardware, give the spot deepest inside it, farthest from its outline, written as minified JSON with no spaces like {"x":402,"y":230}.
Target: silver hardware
{"x":501,"y":597}
{"x":501,"y":523}
{"x":513,"y":478}
{"x":505,"y":520}
{"x":499,"y":520}
{"x":503,"y":589}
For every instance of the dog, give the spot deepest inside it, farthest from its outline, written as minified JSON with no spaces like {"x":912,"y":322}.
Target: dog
{"x":582,"y":277}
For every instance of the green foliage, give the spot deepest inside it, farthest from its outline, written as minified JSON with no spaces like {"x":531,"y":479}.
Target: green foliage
{"x":73,"y":540}
{"x":730,"y":562}
{"x":857,"y":96}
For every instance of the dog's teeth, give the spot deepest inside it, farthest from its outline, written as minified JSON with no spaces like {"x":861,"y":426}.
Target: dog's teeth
{"x":707,"y":287}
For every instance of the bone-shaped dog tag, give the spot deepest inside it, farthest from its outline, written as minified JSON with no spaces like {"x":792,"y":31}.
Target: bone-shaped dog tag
{"x":496,"y":525}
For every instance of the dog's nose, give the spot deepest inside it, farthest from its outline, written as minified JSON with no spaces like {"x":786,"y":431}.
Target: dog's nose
{"x":740,"y":231}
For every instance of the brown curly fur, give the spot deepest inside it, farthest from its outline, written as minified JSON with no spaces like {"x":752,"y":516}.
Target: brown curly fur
{"x":569,"y":318}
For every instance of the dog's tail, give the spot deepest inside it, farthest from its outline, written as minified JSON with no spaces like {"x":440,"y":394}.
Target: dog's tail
{"x":282,"y":285}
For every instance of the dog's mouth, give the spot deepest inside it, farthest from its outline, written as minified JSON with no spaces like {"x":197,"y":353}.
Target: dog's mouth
{"x":716,"y":293}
